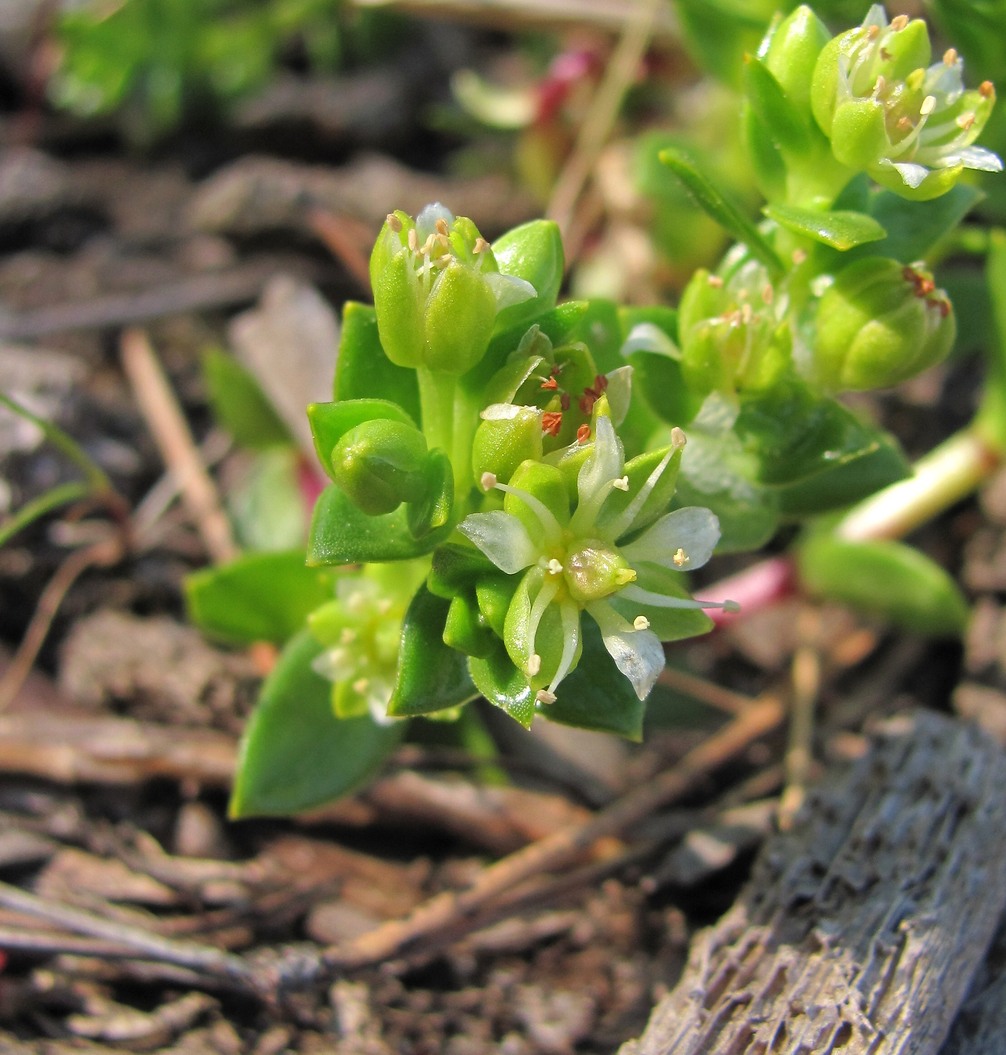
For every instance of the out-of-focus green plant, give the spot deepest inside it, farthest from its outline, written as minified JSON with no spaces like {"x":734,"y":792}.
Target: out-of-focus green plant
{"x":158,"y":61}
{"x":520,"y":487}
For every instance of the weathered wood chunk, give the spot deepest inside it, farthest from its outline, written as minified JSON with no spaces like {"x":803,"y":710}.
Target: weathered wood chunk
{"x":861,"y":927}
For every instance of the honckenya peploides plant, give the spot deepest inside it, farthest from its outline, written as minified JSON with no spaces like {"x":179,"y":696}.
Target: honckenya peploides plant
{"x":520,"y":488}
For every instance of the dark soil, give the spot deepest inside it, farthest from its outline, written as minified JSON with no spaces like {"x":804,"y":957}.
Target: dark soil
{"x":116,"y":749}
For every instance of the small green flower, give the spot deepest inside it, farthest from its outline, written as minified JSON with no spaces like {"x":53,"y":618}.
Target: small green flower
{"x":361,"y":629}
{"x":437,"y":290}
{"x":613,"y":552}
{"x":880,"y":323}
{"x":910,"y":126}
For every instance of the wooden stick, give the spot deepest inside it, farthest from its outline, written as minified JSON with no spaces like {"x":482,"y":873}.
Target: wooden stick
{"x":445,"y":910}
{"x":860,"y":928}
{"x":177,"y":447}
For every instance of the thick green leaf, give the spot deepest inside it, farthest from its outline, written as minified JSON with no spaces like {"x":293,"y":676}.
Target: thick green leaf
{"x":240,"y":405}
{"x":773,"y":106}
{"x":720,"y":208}
{"x":266,"y":503}
{"x":296,"y":754}
{"x":503,"y":685}
{"x":431,"y":676}
{"x":849,"y":481}
{"x":363,"y":371}
{"x":841,"y":229}
{"x":258,"y":597}
{"x":914,"y":227}
{"x":886,"y":579}
{"x":343,"y":534}
{"x":597,"y":695}
{"x":796,"y":435}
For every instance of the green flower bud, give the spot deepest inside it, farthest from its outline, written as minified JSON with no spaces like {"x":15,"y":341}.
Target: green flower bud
{"x":729,"y":329}
{"x":379,"y":464}
{"x":437,"y":290}
{"x":508,"y":435}
{"x":532,"y":252}
{"x":879,"y":323}
{"x":909,"y":125}
{"x":790,"y":52}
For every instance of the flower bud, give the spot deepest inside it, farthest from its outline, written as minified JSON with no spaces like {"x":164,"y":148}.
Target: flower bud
{"x":790,"y":52}
{"x":911,"y":128}
{"x":508,"y":435}
{"x":437,"y":289}
{"x":379,"y":464}
{"x":532,"y":252}
{"x":729,"y":329}
{"x":879,"y":323}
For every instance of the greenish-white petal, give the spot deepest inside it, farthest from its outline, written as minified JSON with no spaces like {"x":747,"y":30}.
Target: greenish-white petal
{"x":502,"y":538}
{"x":684,"y":539}
{"x":638,"y":654}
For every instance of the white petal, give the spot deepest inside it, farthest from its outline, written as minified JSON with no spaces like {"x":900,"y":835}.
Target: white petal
{"x":648,"y":337}
{"x":502,"y":411}
{"x":911,"y":174}
{"x":603,"y":465}
{"x":502,"y":538}
{"x":692,"y":530}
{"x":978,"y":158}
{"x":509,"y":289}
{"x":619,"y":393}
{"x":638,"y":654}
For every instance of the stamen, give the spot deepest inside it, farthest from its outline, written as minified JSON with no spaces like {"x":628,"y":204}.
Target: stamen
{"x":393,"y":222}
{"x":715,"y":281}
{"x":621,"y":484}
{"x":347,"y":637}
{"x":950,"y":56}
{"x":544,"y":696}
{"x":582,"y":433}
{"x":986,"y":89}
{"x":965,"y":121}
{"x":678,"y":438}
{"x":799,"y":256}
{"x":549,"y":524}
{"x":442,"y":227}
{"x":899,"y":22}
{"x":551,"y":422}
{"x":928,"y":105}
{"x":767,"y":293}
{"x":361,"y":685}
{"x":550,"y":383}
{"x":488,"y":481}
{"x":659,"y":600}
{"x":554,"y":566}
{"x":481,"y":245}
{"x":546,"y":595}
{"x":680,"y":558}
{"x":624,"y":521}
{"x":533,"y":665}
{"x":640,"y":623}
{"x":413,"y":240}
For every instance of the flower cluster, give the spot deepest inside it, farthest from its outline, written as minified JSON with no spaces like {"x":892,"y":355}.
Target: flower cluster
{"x":910,"y":125}
{"x":612,"y":552}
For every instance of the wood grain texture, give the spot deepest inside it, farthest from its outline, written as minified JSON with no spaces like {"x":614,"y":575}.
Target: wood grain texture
{"x":862,"y":927}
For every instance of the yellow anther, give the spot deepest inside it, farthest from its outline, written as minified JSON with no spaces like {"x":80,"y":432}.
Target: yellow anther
{"x":347,"y":637}
{"x":680,"y":558}
{"x":621,"y":484}
{"x":715,"y":281}
{"x":640,"y":623}
{"x":928,"y":105}
{"x":481,"y":245}
{"x":554,"y":567}
{"x":950,"y":56}
{"x":442,"y":227}
{"x":393,"y":222}
{"x":899,"y":22}
{"x":678,"y":437}
{"x":361,"y":685}
{"x":413,"y":240}
{"x":965,"y":121}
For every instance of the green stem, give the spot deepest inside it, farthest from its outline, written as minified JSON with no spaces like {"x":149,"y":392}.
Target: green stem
{"x":945,"y":476}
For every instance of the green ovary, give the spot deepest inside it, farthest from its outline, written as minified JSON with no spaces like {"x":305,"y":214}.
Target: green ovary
{"x":593,"y":571}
